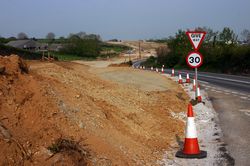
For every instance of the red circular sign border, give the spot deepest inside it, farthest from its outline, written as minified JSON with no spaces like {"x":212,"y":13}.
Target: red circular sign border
{"x":195,"y":53}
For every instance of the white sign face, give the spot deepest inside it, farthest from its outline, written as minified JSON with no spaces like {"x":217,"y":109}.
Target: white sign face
{"x":194,"y":59}
{"x":196,"y":38}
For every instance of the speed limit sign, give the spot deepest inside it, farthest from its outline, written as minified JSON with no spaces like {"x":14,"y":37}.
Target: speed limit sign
{"x":194,"y":59}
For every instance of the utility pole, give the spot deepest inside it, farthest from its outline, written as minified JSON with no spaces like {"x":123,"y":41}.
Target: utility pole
{"x":139,"y":49}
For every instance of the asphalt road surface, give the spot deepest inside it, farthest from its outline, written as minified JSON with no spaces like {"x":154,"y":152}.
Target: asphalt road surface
{"x":230,"y":95}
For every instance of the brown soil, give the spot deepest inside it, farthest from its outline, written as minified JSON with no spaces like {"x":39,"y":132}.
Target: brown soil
{"x":121,"y":123}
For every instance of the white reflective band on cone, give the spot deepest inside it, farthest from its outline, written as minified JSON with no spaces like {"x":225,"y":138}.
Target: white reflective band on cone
{"x":179,"y":76}
{"x":187,"y":76}
{"x":191,"y":128}
{"x":198,"y":92}
{"x":194,"y":81}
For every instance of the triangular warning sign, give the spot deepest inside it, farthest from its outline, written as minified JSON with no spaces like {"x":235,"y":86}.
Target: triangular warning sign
{"x":196,"y":38}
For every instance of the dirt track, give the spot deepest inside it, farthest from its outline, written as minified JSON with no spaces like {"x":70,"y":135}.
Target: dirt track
{"x":125,"y":115}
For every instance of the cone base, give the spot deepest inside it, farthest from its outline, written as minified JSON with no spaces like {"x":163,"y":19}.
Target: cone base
{"x":199,"y":99}
{"x":202,"y":154}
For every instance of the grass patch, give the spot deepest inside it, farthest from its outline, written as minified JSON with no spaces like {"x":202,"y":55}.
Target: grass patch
{"x":114,"y":47}
{"x":70,"y":57}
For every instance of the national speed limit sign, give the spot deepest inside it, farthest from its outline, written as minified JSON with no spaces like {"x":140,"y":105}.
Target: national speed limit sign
{"x":194,"y":59}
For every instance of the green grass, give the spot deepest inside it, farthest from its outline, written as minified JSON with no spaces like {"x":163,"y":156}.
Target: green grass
{"x":116,"y":48}
{"x":68,"y":57}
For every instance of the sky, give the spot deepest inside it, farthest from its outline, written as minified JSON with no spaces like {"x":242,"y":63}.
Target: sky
{"x":121,"y":19}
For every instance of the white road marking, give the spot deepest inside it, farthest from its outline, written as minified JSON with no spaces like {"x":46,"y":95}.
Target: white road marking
{"x":226,"y":79}
{"x":213,"y":90}
{"x":244,"y":110}
{"x":205,"y":82}
{"x":247,"y":113}
{"x":243,"y":97}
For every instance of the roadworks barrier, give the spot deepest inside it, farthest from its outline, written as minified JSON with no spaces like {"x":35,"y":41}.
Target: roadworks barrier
{"x":191,"y":147}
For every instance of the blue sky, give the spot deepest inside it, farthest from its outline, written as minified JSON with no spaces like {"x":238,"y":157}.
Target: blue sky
{"x":122,"y":19}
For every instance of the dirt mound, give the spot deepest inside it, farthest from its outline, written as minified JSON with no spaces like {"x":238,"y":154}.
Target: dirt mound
{"x":12,"y":65}
{"x":30,"y":121}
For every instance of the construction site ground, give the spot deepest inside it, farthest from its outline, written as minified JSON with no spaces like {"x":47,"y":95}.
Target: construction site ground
{"x":71,"y":113}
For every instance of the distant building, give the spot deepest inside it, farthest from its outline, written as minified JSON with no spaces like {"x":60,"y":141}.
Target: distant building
{"x":23,"y":44}
{"x":33,"y":45}
{"x":55,"y":47}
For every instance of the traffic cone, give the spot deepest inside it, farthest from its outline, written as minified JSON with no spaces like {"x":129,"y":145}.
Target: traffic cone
{"x":194,"y":84}
{"x":199,"y":94}
{"x":162,"y":70}
{"x":187,"y":79}
{"x":191,"y":146}
{"x":172,"y":73}
{"x":143,"y":67}
{"x":180,"y":79}
{"x":152,"y":68}
{"x":157,"y":70}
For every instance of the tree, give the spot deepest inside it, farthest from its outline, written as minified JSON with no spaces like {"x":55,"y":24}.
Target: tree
{"x":82,"y":35}
{"x":210,"y":36}
{"x":246,"y":35}
{"x":81,"y":47}
{"x":51,"y":36}
{"x":227,"y":35}
{"x":22,"y":36}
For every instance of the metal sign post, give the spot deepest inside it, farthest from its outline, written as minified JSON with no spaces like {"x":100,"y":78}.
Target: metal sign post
{"x":196,"y":81}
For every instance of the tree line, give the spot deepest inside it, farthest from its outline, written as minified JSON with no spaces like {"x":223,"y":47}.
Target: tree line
{"x":222,"y":51}
{"x":78,"y":44}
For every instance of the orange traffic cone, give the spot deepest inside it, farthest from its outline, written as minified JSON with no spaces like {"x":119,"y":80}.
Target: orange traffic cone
{"x":191,"y":146}
{"x":194,"y":84}
{"x":157,"y":70}
{"x":199,"y":94}
{"x":180,"y":79}
{"x":162,"y":70}
{"x":172,"y":73}
{"x":152,"y":68}
{"x":187,"y":79}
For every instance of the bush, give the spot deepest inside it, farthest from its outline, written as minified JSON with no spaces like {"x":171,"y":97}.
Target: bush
{"x":82,"y":47}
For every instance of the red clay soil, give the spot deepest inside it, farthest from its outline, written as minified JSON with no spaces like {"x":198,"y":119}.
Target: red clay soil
{"x":60,"y":114}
